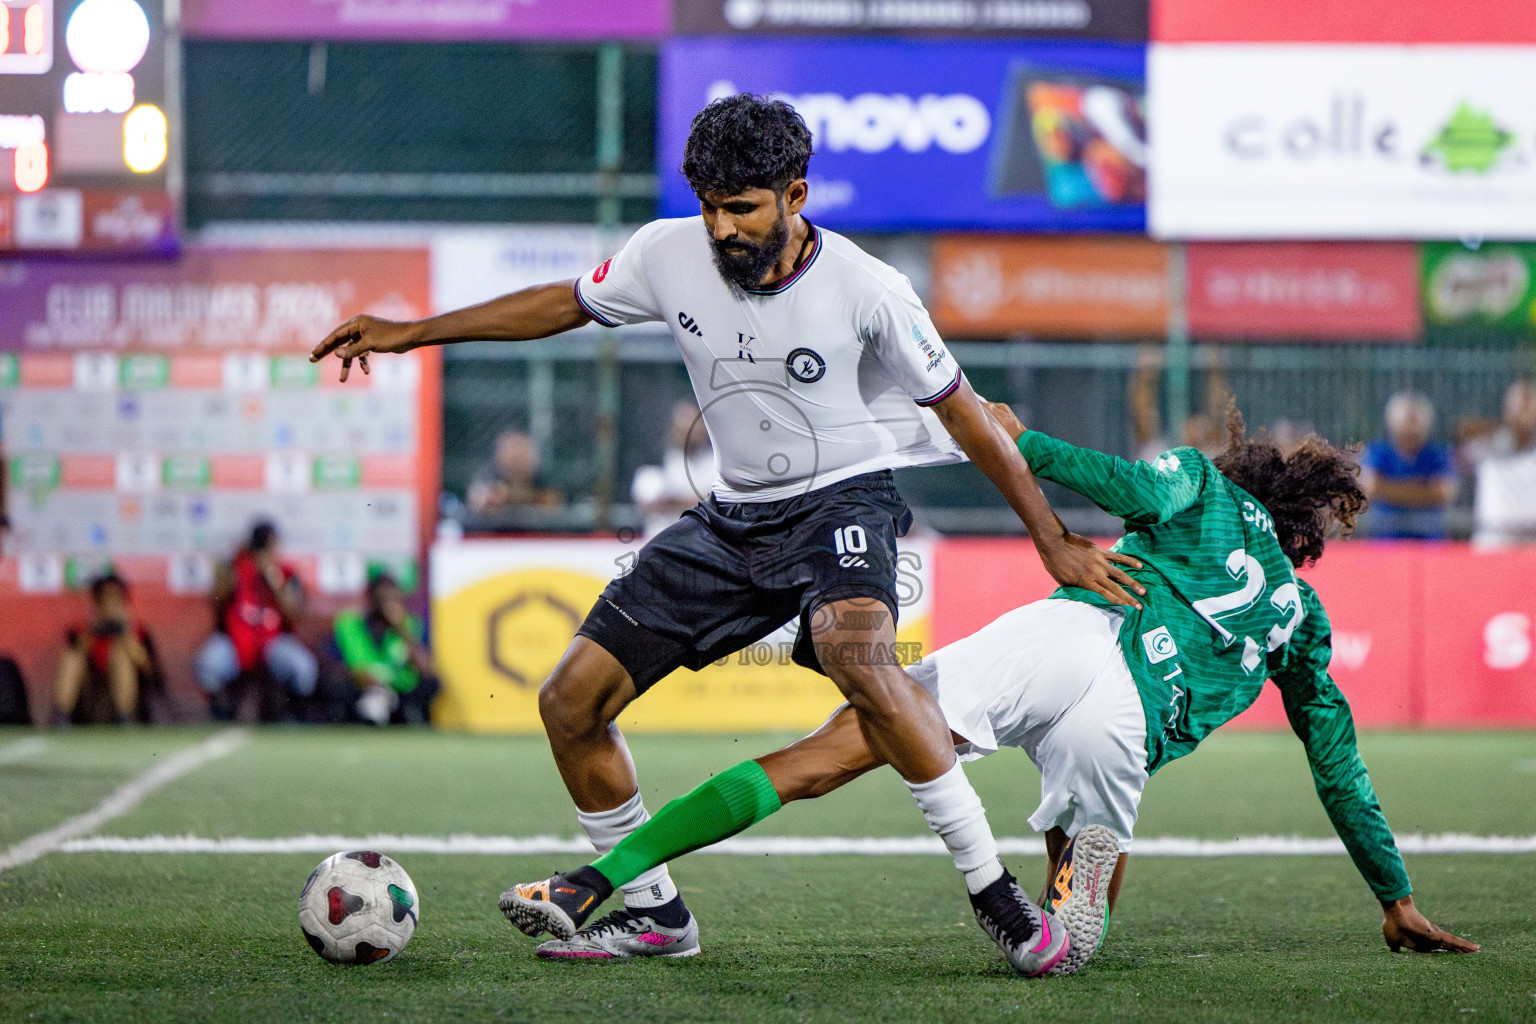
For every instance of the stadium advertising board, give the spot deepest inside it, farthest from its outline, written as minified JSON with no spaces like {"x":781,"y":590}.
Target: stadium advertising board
{"x":503,"y":612}
{"x":87,"y":146}
{"x":987,"y":135}
{"x":1342,"y":141}
{"x":1044,"y":19}
{"x":1343,"y":21}
{"x":425,"y":20}
{"x":994,"y":286}
{"x":1339,"y":291}
{"x":154,"y":410}
{"x":1490,"y":290}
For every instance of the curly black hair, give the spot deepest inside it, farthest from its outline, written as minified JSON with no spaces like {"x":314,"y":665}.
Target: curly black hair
{"x":1308,"y":492}
{"x":746,"y":141}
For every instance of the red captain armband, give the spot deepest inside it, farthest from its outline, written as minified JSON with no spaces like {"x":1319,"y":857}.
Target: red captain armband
{"x":602,"y":271}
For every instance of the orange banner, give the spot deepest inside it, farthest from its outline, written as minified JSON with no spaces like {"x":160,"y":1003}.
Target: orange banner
{"x":993,"y":286}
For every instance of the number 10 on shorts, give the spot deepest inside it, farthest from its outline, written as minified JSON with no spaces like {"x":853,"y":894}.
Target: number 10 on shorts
{"x":851,"y":543}
{"x":850,"y":540}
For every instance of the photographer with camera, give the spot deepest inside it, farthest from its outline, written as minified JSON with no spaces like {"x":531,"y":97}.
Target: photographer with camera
{"x":111,"y":652}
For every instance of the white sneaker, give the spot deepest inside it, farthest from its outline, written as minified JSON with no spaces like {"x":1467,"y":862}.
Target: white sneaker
{"x":1079,"y":894}
{"x":623,"y":934}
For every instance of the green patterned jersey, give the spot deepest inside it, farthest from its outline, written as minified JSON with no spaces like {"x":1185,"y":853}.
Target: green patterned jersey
{"x":1224,"y":611}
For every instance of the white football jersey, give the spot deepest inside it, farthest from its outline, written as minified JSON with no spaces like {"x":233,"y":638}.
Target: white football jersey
{"x":824,"y":376}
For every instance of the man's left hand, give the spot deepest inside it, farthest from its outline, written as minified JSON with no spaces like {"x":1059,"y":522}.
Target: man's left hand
{"x":1405,"y":928}
{"x":1075,"y":561}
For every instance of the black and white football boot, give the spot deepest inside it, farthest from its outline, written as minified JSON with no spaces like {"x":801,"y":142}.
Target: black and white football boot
{"x":1032,"y":940}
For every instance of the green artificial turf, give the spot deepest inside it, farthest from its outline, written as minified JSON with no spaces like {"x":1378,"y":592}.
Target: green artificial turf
{"x":160,"y":937}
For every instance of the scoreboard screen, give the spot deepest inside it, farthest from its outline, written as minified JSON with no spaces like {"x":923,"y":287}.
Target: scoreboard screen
{"x":88,"y":150}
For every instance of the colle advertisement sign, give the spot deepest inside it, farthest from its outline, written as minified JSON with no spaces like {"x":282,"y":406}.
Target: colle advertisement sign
{"x":988,"y":135}
{"x":1342,"y":141}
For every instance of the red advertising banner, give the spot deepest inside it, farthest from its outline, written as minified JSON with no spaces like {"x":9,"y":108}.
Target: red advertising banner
{"x":1342,"y":21}
{"x":1339,"y":291}
{"x":1478,"y":630}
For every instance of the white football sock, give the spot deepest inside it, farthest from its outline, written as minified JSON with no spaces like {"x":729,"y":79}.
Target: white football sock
{"x":607,"y":828}
{"x":954,"y":811}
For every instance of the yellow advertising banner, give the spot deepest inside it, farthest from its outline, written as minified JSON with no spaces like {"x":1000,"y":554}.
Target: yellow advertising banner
{"x":503,"y":611}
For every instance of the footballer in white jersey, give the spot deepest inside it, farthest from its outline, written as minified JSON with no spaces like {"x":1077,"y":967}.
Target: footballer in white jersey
{"x":818,"y":372}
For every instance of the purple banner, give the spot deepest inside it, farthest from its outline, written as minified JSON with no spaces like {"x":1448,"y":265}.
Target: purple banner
{"x":426,"y":20}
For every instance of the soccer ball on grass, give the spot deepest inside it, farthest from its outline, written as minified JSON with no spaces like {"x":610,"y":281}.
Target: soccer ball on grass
{"x":358,"y":907}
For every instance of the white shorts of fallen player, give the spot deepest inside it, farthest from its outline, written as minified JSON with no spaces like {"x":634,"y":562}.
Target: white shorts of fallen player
{"x":1050,"y":679}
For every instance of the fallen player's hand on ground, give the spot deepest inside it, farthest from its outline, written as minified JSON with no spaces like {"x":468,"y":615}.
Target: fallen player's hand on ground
{"x":1405,"y":928}
{"x":1076,"y":561}
{"x":362,"y":335}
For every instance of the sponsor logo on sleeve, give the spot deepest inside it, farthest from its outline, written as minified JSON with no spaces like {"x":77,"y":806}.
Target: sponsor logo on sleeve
{"x":602,"y":271}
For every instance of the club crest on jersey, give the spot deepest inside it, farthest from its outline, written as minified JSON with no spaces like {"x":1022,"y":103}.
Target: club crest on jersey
{"x":1159,"y":645}
{"x":602,"y":271}
{"x":744,"y":347}
{"x":806,"y":366}
{"x":1168,"y":463}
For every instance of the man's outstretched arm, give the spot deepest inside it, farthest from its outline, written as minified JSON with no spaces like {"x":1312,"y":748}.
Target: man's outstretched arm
{"x":536,"y":312}
{"x":1320,"y":716}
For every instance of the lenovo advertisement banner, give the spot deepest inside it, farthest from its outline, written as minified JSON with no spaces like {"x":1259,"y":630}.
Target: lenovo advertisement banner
{"x":1306,"y":291}
{"x":1342,"y":141}
{"x":1042,"y":19}
{"x":994,"y":286}
{"x":410,"y":21}
{"x":1043,"y":136}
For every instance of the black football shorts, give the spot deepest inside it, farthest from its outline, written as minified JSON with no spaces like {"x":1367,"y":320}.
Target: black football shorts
{"x":727,"y":574}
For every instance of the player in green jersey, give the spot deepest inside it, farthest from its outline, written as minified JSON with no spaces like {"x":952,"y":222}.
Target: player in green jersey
{"x":1101,"y":696}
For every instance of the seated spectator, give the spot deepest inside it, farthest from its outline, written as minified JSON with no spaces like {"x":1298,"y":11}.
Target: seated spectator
{"x":1513,"y":434}
{"x":257,"y":598}
{"x":1504,"y":493}
{"x":1200,"y":429}
{"x":111,"y":653}
{"x":511,"y":478}
{"x":684,"y":477}
{"x":383,"y":651}
{"x":1411,"y":479}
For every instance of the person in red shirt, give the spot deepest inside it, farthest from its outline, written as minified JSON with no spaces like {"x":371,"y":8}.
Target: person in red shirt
{"x":112,"y":648}
{"x":257,"y":598}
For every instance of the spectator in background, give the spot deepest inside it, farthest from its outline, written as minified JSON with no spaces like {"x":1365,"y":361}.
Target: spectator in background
{"x":685,"y":475}
{"x":1411,"y":480}
{"x":1200,"y":429}
{"x":257,"y":598}
{"x":1504,"y":461}
{"x":111,"y":653}
{"x":511,"y":478}
{"x":382,"y":648}
{"x":1513,"y":434}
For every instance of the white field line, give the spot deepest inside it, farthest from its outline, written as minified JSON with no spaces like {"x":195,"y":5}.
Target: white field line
{"x":123,"y":799}
{"x":22,"y":749}
{"x":793,"y":846}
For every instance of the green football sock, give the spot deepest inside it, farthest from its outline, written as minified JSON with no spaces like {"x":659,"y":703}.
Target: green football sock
{"x":734,"y":800}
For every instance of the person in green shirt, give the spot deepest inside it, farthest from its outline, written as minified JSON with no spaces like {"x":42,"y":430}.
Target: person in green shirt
{"x":1098,"y":695}
{"x":383,"y":650}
